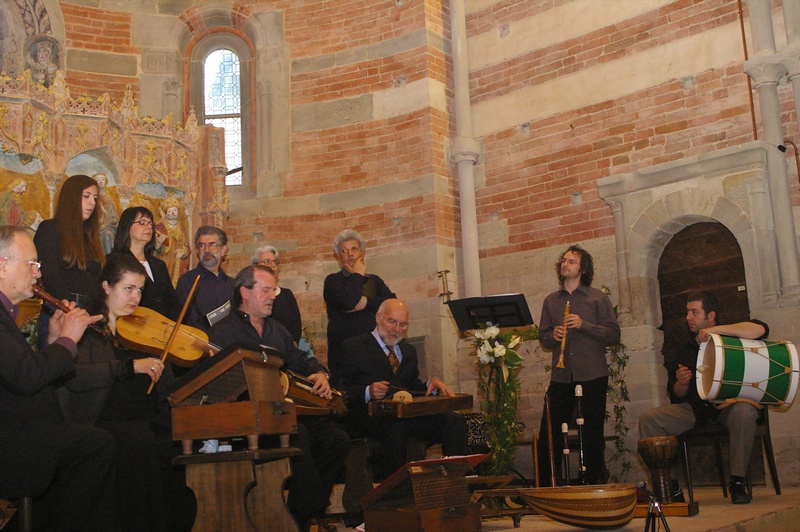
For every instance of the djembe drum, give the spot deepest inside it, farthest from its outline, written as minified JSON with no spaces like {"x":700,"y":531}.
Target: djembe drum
{"x":659,"y":453}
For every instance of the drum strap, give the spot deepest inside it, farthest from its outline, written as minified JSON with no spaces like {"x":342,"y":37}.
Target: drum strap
{"x":730,"y":401}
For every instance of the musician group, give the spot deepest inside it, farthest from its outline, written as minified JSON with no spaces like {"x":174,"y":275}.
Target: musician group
{"x":81,"y":432}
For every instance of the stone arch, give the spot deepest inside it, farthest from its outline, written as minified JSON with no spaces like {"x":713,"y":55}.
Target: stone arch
{"x":688,"y":207}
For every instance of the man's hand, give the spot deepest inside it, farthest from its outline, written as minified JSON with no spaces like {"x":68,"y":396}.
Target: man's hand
{"x":71,"y":324}
{"x":684,"y":377}
{"x":321,"y":385}
{"x":573,"y":321}
{"x":378,"y":390}
{"x":435,"y":383}
{"x":361,"y":305}
{"x":358,"y":267}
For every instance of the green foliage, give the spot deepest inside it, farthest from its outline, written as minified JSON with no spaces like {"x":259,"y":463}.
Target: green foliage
{"x":30,"y":328}
{"x":499,"y":405}
{"x":498,"y":386}
{"x":618,"y":393}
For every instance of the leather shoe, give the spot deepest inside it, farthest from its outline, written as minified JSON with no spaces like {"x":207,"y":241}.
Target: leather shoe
{"x":738,"y":493}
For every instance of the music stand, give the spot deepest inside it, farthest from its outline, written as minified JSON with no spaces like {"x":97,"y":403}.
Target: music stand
{"x":504,"y":310}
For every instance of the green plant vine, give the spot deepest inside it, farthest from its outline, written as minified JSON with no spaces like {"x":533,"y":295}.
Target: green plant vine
{"x":618,"y":393}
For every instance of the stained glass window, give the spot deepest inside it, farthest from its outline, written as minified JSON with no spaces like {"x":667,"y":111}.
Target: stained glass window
{"x":223,"y":106}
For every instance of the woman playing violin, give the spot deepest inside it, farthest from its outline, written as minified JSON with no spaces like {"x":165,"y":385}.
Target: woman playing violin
{"x":109,"y":390}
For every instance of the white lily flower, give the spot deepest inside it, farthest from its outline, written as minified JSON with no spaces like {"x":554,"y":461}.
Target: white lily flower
{"x":499,"y":349}
{"x":485,"y":358}
{"x":478,"y":333}
{"x":491,"y":332}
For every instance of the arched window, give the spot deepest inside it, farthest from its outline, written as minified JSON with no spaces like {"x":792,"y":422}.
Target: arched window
{"x":222,"y":95}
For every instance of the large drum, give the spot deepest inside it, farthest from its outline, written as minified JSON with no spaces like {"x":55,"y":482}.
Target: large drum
{"x":764,"y":371}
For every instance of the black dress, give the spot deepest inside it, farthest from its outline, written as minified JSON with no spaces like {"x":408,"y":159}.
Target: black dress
{"x":150,"y":493}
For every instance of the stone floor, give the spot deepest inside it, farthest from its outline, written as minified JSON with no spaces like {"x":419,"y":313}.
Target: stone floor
{"x":767,"y":512}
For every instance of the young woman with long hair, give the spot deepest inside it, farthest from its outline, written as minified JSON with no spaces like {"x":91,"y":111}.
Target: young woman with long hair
{"x":69,"y":245}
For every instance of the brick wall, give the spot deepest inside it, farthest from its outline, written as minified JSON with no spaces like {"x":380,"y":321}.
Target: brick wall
{"x":107,"y":33}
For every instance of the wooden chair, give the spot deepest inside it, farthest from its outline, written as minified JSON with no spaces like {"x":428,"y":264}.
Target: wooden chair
{"x":717,"y":434}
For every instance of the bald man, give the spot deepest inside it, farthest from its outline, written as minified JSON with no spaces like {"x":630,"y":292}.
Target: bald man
{"x":375,"y":365}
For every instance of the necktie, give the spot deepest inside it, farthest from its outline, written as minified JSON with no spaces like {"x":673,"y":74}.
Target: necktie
{"x":393,"y":360}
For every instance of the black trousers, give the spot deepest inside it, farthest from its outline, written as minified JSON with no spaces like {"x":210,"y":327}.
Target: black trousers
{"x":81,"y":496}
{"x":449,"y":429}
{"x":325,"y":447}
{"x":562,"y":406}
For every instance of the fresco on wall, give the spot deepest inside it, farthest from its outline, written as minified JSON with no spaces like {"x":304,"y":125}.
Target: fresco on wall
{"x":41,"y":57}
{"x":23,"y":197}
{"x":172,"y":169}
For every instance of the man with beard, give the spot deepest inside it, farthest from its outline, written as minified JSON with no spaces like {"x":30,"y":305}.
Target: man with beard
{"x":687,"y":410}
{"x":324,"y":445}
{"x":376,"y":365}
{"x":583,"y":334}
{"x":211,"y":300}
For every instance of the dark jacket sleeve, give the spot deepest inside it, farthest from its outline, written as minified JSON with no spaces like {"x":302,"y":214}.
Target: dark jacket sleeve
{"x":96,"y":367}
{"x":24,"y":371}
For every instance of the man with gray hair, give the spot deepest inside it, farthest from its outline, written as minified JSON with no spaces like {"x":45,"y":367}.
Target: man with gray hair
{"x":211,"y":300}
{"x":352,"y":296}
{"x":65,"y":467}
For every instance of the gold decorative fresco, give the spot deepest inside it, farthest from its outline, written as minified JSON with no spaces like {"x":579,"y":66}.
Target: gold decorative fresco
{"x":47,"y":134}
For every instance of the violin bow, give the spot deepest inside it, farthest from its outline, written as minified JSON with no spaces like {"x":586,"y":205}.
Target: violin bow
{"x":174,"y":334}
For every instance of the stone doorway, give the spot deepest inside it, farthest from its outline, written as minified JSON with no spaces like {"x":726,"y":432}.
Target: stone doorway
{"x":702,"y":256}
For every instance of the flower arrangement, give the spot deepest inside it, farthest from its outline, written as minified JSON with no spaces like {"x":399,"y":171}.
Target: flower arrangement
{"x":498,"y":363}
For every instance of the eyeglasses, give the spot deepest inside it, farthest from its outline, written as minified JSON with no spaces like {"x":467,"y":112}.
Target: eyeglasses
{"x":269,"y":262}
{"x":211,"y":246}
{"x":394,"y":323}
{"x":569,"y":261}
{"x":144,"y":222}
{"x":38,"y":265}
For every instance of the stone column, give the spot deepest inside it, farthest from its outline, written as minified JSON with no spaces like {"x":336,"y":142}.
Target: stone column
{"x":766,"y":74}
{"x":465,"y":151}
{"x":762,"y":31}
{"x":791,"y":18}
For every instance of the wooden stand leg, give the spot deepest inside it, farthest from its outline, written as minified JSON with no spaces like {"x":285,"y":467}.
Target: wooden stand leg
{"x":265,"y":501}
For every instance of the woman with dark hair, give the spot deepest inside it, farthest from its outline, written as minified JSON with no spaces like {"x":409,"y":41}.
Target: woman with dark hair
{"x":135,"y":237}
{"x":69,"y":245}
{"x":109,"y":389}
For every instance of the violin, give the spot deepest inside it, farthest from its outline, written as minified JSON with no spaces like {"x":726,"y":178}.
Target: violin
{"x":148,"y":331}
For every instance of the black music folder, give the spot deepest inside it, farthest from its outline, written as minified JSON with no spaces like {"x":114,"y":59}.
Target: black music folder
{"x":504,"y":310}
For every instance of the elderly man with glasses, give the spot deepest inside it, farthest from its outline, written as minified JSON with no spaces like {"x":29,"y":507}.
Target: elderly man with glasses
{"x":66,"y":468}
{"x":376,"y":365}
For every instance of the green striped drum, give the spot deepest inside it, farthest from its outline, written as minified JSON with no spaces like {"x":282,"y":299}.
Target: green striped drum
{"x":764,"y":371}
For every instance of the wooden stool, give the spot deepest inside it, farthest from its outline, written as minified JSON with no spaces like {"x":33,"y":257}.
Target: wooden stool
{"x":240,"y":490}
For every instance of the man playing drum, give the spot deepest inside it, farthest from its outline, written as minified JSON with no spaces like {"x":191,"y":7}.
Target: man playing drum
{"x":688,"y":409}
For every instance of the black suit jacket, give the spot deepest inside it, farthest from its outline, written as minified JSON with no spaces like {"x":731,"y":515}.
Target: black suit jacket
{"x":29,"y":411}
{"x":364,"y":362}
